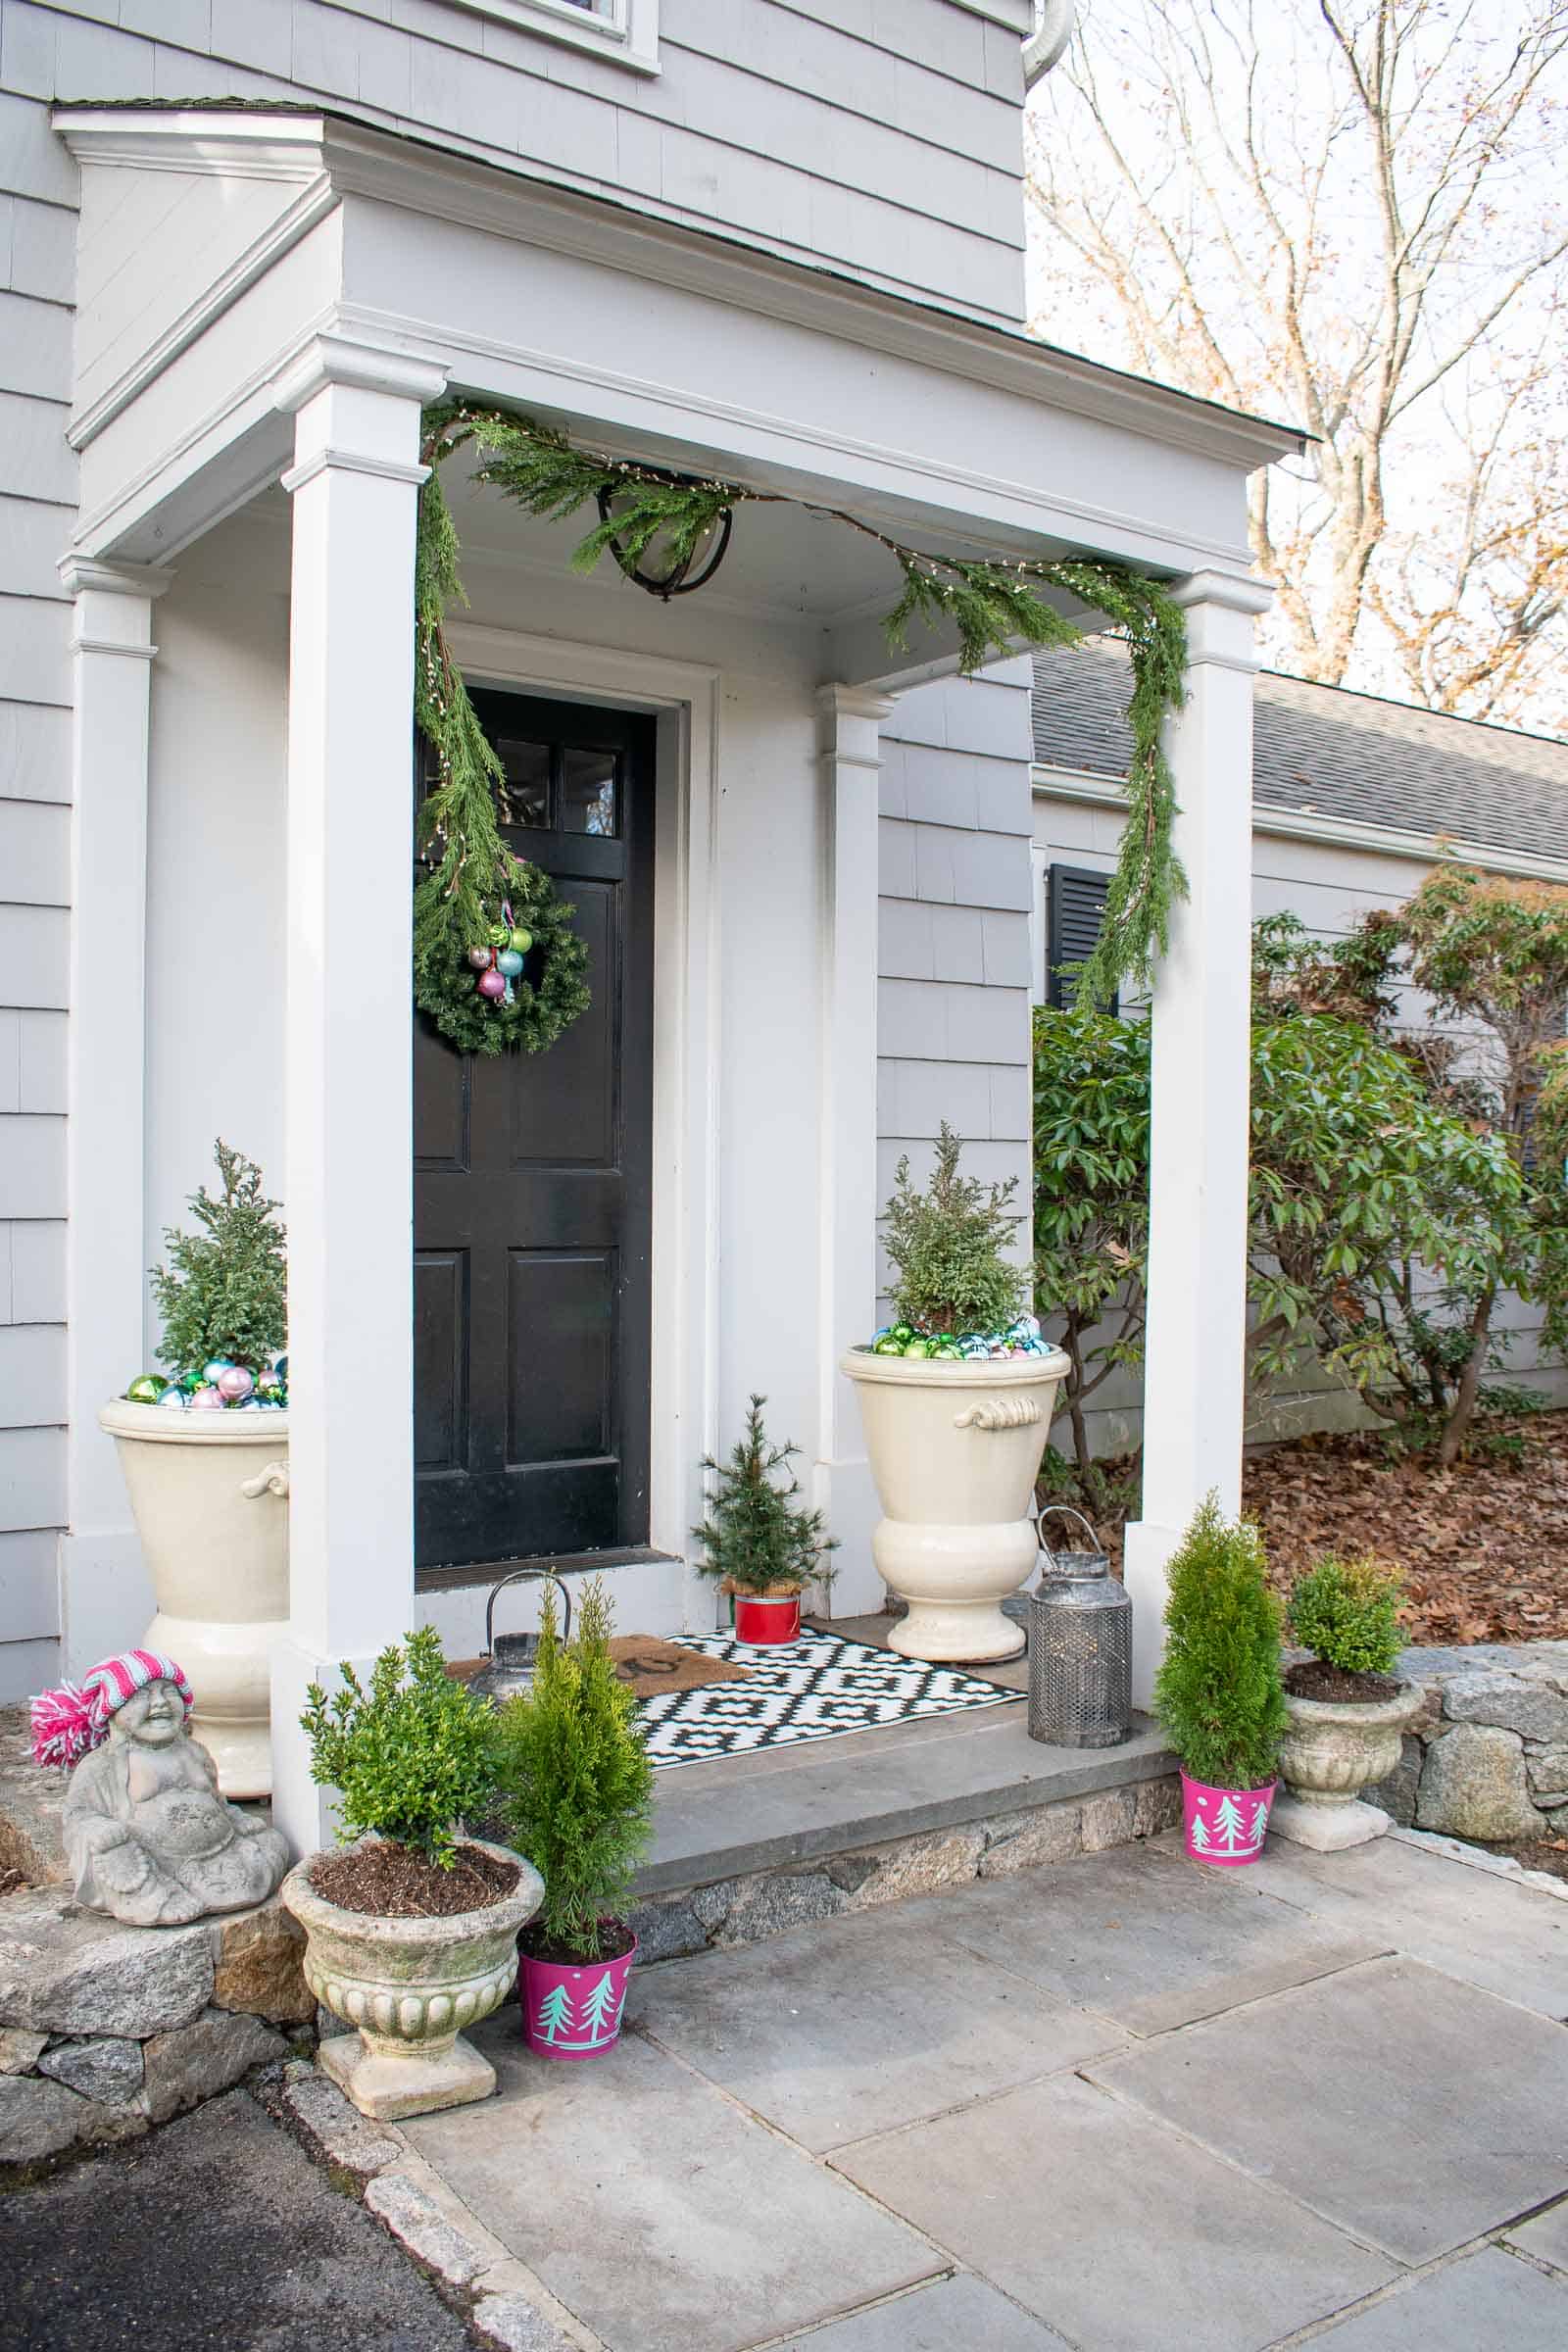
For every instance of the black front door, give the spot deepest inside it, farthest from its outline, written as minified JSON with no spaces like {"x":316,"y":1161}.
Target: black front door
{"x":532,"y":1188}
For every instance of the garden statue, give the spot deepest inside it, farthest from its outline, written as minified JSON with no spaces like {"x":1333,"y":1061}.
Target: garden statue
{"x":148,"y":1838}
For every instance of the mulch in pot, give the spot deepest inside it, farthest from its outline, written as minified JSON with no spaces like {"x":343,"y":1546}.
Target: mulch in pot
{"x":616,"y":1940}
{"x":393,"y":1881}
{"x":1315,"y":1678}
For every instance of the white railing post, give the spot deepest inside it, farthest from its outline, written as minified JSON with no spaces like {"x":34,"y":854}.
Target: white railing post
{"x":1195,"y":1348}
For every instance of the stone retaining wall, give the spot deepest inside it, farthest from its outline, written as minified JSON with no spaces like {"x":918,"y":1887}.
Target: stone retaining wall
{"x":1488,"y":1758}
{"x":106,"y":2029}
{"x":728,"y":1912}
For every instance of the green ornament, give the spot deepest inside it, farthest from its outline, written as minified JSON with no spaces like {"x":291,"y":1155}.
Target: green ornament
{"x":901,"y":1331}
{"x":190,"y":1381}
{"x":919,"y":1349}
{"x":146,"y":1388}
{"x":887,"y":1346}
{"x":499,"y":934}
{"x":521,"y":939}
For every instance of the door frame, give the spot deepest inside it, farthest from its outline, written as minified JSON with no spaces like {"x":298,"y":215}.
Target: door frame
{"x":684,"y":699}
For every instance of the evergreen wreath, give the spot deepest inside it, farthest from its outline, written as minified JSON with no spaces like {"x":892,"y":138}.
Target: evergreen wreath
{"x":993,"y":606}
{"x":474,"y":895}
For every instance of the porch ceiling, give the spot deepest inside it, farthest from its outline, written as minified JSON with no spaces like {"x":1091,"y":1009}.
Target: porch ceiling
{"x":221,"y":250}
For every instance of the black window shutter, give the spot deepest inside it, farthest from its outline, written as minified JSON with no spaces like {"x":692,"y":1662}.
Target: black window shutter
{"x":1075,"y":903}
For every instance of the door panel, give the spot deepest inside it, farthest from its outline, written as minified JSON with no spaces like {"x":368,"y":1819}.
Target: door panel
{"x":532,"y":1188}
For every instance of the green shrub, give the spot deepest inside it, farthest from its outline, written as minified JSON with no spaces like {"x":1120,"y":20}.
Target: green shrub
{"x":574,"y":1782}
{"x":946,"y":1247}
{"x":224,"y":1291}
{"x":1347,"y":1612}
{"x":411,"y":1757}
{"x":1218,"y":1692}
{"x":755,"y":1535}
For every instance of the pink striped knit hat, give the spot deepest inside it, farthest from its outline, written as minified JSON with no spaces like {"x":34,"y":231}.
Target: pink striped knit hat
{"x":69,"y":1721}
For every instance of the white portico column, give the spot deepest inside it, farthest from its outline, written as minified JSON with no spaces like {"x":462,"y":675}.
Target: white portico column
{"x":1197,"y":1325}
{"x":849,"y":763}
{"x":348,"y":1077}
{"x":105,"y":1598}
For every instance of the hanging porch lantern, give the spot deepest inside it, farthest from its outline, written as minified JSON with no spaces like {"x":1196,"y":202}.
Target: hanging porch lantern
{"x":658,"y":568}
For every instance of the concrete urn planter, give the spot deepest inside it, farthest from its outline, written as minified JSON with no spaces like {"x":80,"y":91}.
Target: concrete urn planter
{"x":1333,"y":1751}
{"x":956,"y":1449}
{"x":409,"y":1988}
{"x":209,"y":1493}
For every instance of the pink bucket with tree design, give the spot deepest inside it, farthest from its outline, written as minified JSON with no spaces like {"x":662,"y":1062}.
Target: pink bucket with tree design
{"x":573,"y":2009}
{"x":1225,"y":1826}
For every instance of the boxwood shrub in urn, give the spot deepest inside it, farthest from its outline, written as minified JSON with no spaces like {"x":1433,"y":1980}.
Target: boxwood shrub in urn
{"x":1348,"y":1711}
{"x":955,"y":1399}
{"x":1217,"y":1693}
{"x":410,"y":1928}
{"x":203,"y":1450}
{"x":575,"y":1789}
{"x":756,"y":1539}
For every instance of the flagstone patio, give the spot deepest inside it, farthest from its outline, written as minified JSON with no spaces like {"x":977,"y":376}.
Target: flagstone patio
{"x":1122,"y":2103}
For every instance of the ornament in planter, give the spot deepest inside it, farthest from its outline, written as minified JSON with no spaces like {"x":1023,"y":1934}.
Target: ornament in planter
{"x":756,"y":1539}
{"x":411,"y":1930}
{"x":956,"y":1415}
{"x":575,"y":1791}
{"x":203,"y":1452}
{"x":148,"y":1838}
{"x":1349,"y":1712}
{"x":1217,"y":1693}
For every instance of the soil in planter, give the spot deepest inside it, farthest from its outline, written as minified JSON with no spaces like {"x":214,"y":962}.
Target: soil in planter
{"x":614,"y":1936}
{"x":1315,"y":1678}
{"x":393,"y":1881}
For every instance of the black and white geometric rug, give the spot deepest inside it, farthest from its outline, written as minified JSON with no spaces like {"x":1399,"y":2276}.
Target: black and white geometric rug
{"x":813,"y":1689}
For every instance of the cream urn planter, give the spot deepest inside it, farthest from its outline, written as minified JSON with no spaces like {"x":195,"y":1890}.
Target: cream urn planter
{"x":1332,"y":1749}
{"x":956,"y":1449}
{"x":409,"y":1988}
{"x":209,"y":1493}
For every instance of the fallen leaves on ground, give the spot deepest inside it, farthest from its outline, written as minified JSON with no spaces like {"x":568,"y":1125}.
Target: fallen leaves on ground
{"x":1483,"y":1549}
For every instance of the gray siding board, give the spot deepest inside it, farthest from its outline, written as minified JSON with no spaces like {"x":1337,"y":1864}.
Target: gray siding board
{"x":36,"y":1257}
{"x":35,"y":850}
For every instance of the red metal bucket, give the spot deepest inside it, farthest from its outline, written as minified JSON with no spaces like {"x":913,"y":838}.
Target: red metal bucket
{"x":758,"y":1622}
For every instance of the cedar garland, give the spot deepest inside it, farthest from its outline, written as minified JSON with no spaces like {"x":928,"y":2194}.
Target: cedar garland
{"x":994,"y":607}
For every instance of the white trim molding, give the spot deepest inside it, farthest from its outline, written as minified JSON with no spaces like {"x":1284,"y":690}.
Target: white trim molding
{"x":623,"y":33}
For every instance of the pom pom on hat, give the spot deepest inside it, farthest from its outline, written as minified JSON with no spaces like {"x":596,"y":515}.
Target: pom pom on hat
{"x":69,"y":1722}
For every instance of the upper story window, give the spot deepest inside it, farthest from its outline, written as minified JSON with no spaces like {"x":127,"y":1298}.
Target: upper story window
{"x":626,"y":31}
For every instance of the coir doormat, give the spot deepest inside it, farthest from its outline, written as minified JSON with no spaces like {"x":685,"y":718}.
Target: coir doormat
{"x":652,"y":1668}
{"x":813,"y":1689}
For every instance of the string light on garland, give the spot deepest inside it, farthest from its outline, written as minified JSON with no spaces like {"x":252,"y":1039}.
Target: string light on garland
{"x":670,"y":532}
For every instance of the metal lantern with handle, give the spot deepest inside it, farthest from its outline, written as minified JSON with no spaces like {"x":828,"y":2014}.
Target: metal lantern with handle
{"x":510,"y":1659}
{"x":1080,"y":1647}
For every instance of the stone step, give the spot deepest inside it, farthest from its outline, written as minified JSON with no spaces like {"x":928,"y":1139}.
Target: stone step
{"x":752,"y":1845}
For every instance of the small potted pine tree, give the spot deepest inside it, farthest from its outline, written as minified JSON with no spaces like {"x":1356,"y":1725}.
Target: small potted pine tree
{"x":574,"y":1788}
{"x":410,"y":1926}
{"x":1348,"y":1711}
{"x":955,"y":1399}
{"x":756,"y":1539}
{"x":204,"y":1452}
{"x":1218,"y":1693}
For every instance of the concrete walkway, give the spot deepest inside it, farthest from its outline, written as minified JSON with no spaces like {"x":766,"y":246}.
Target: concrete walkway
{"x":1126,"y":2104}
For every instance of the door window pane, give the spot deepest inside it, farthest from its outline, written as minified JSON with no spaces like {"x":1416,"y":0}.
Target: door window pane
{"x":588,"y":793}
{"x":525,"y":796}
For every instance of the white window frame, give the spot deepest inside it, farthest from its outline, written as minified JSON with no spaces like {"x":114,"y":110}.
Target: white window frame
{"x":623,"y":33}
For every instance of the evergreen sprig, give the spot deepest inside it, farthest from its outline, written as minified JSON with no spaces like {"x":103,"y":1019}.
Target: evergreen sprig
{"x":574,"y":1780}
{"x":472,"y":873}
{"x":993,"y":606}
{"x":224,"y":1291}
{"x":755,"y":1536}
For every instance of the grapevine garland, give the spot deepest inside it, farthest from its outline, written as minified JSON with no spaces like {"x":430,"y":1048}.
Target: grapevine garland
{"x":994,"y":606}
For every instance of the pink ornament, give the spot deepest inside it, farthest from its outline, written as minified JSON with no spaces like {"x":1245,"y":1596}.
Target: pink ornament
{"x":234,"y":1383}
{"x":206,"y":1400}
{"x":490,"y":984}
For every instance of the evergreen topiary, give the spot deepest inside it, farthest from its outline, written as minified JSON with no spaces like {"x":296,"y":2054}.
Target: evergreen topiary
{"x":411,"y":1756}
{"x":573,"y":1780}
{"x":1218,"y":1693}
{"x":1347,"y":1612}
{"x":224,"y":1291}
{"x":946,"y":1246}
{"x":755,"y":1537}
